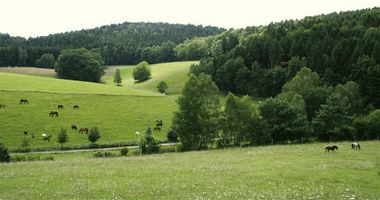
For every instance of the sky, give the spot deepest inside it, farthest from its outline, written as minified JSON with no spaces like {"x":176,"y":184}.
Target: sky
{"x":32,"y":18}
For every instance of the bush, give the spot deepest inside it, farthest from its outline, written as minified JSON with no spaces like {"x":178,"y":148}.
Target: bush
{"x":4,"y":155}
{"x":124,"y":151}
{"x":172,"y":136}
{"x":105,"y":154}
{"x":47,"y":60}
{"x":22,"y":158}
{"x":141,"y":72}
{"x":162,"y":86}
{"x":94,"y":134}
{"x":148,"y":144}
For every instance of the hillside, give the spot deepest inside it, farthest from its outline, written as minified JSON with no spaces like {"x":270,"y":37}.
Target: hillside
{"x":126,"y":43}
{"x":118,"y":111}
{"x":271,"y":172}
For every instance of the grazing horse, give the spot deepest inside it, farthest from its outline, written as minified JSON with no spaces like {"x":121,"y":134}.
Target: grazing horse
{"x":25,"y":132}
{"x":60,"y":106}
{"x":74,"y":127}
{"x":24,"y":101}
{"x":355,"y":146}
{"x":76,"y":107}
{"x":331,"y":148}
{"x":83,"y":130}
{"x":157,"y":128}
{"x":46,"y":137}
{"x":53,"y":114}
{"x":2,"y":106}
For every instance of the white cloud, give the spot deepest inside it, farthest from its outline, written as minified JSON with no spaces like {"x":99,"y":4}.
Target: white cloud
{"x":42,"y":17}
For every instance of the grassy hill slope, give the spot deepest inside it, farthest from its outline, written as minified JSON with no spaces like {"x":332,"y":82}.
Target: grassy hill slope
{"x":272,"y":172}
{"x":174,"y":74}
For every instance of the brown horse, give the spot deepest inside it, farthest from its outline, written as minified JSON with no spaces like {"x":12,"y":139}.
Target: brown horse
{"x":83,"y":130}
{"x":46,"y":137}
{"x":53,"y":114}
{"x":2,"y":106}
{"x":331,"y":148}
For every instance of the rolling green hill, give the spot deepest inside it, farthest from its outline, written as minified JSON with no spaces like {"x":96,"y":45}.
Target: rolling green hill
{"x":271,"y":172}
{"x":174,"y":74}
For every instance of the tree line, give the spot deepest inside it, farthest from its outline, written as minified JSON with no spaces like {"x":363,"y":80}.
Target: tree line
{"x":258,"y":61}
{"x":126,"y":43}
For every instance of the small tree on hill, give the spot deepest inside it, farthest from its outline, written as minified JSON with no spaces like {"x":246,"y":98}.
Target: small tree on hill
{"x":117,"y":77}
{"x":94,"y":134}
{"x":162,"y":86}
{"x":148,"y":144}
{"x":141,"y":72}
{"x":172,"y":136}
{"x":62,"y":137}
{"x":4,"y":155}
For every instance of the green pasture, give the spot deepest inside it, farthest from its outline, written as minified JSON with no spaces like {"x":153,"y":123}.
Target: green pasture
{"x":117,"y":116}
{"x":271,"y":172}
{"x":174,"y":74}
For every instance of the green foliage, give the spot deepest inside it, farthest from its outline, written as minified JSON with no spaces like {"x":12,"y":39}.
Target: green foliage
{"x":172,"y":136}
{"x":148,"y":145}
{"x":124,"y":151}
{"x":196,"y":122}
{"x":62,"y":137}
{"x":25,"y":145}
{"x":141,"y":72}
{"x":117,"y":77}
{"x":4,"y":155}
{"x":307,"y":84}
{"x":29,"y":158}
{"x":94,"y":134}
{"x":47,"y":60}
{"x":162,"y":86}
{"x":193,"y":49}
{"x":332,"y":121}
{"x":286,"y":118}
{"x":374,"y":124}
{"x":104,"y":154}
{"x":80,"y":64}
{"x":295,"y":65}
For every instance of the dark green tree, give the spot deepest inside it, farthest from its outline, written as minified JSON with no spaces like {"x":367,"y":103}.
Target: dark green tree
{"x":47,"y":60}
{"x":141,"y":72}
{"x":80,"y":64}
{"x":62,"y":137}
{"x":94,"y":134}
{"x":162,"y":86}
{"x":196,"y":122}
{"x":117,"y":77}
{"x":148,"y":144}
{"x":4,"y":155}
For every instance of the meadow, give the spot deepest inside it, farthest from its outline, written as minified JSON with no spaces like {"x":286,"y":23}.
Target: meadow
{"x":118,"y":111}
{"x":271,"y":172}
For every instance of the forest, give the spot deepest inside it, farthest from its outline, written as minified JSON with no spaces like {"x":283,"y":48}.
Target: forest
{"x":126,"y":43}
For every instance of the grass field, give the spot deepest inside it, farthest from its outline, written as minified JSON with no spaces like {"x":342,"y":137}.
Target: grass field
{"x":174,"y":74}
{"x":29,"y":71}
{"x":271,"y":172}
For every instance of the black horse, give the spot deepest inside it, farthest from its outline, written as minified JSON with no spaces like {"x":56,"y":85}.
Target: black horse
{"x":76,"y":107}
{"x":157,"y":128}
{"x":25,"y":132}
{"x":331,"y":148}
{"x":74,"y":127}
{"x":2,"y":106}
{"x":53,"y":114}
{"x":83,"y":130}
{"x":24,"y":101}
{"x":355,"y":146}
{"x":60,"y":106}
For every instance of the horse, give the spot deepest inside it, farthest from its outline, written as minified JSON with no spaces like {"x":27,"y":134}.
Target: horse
{"x":331,"y":148}
{"x":53,"y":114}
{"x":24,"y":101}
{"x":159,"y":123}
{"x":74,"y":127}
{"x":2,"y":106}
{"x":83,"y":130}
{"x":355,"y":146}
{"x":60,"y":106}
{"x":76,"y":107}
{"x":46,"y":137}
{"x":157,"y":128}
{"x":25,"y":132}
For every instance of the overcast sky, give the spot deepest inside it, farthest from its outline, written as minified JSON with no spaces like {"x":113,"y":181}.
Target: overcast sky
{"x":31,"y":18}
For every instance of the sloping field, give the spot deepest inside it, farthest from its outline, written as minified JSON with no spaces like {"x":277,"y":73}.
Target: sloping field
{"x":174,"y":74}
{"x":29,"y":71}
{"x":272,"y":172}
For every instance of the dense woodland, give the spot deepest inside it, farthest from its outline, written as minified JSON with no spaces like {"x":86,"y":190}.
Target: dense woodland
{"x":127,"y":43}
